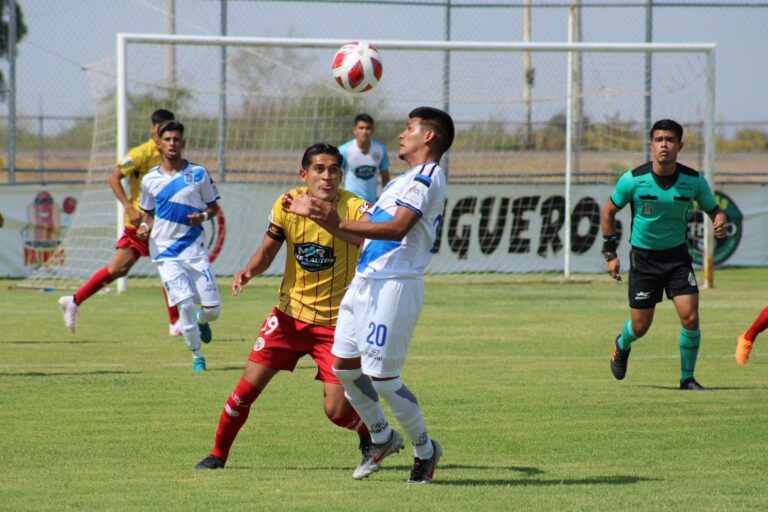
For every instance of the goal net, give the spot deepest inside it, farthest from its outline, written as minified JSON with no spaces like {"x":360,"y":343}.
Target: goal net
{"x":537,"y":149}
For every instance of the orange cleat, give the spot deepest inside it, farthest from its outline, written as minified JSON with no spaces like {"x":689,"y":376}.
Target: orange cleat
{"x":743,"y":348}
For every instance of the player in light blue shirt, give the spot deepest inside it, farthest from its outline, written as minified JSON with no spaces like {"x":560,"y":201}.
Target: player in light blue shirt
{"x":382,"y":304}
{"x":177,"y":196}
{"x":364,"y":158}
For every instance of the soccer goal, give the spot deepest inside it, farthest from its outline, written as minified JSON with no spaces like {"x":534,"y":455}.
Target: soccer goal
{"x":544,"y":130}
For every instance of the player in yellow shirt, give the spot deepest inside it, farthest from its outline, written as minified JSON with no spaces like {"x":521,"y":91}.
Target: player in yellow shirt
{"x":318,"y":268}
{"x":137,"y":163}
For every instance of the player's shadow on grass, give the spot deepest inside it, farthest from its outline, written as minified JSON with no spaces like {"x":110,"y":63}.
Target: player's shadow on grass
{"x":708,"y":389}
{"x":597,"y":480}
{"x":66,"y":374}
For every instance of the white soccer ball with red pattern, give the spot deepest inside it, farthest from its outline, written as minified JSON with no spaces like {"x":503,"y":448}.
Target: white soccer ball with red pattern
{"x":357,"y":67}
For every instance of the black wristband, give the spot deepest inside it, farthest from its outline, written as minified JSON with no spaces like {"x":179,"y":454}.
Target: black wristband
{"x":610,"y":243}
{"x":610,"y":256}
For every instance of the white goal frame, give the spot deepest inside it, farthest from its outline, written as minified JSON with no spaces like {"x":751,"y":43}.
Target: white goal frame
{"x":708,"y":49}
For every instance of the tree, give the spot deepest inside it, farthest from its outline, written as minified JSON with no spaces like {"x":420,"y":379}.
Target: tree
{"x":21,"y":31}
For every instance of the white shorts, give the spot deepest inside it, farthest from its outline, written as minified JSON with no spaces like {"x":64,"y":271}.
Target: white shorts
{"x":193,"y":278}
{"x":376,"y":322}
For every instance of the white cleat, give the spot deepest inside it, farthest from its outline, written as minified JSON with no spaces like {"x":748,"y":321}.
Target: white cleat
{"x":68,"y":311}
{"x":175,"y":329}
{"x":375,"y":455}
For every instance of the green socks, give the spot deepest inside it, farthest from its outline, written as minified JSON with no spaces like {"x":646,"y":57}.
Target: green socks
{"x":627,"y":336}
{"x":689,"y":351}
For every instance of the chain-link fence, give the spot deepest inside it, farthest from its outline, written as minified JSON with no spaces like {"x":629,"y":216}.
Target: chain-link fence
{"x":53,"y":145}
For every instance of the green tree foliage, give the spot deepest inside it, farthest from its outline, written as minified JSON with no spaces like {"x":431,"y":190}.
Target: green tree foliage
{"x":21,"y":31}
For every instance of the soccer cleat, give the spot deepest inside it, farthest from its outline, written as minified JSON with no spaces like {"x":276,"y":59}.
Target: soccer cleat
{"x":743,"y":348}
{"x":68,"y":311}
{"x":691,"y":385}
{"x":375,"y":453}
{"x":619,"y":360}
{"x":211,"y":462}
{"x":205,"y":331}
{"x":175,"y":329}
{"x":424,"y":469}
{"x":198,"y":364}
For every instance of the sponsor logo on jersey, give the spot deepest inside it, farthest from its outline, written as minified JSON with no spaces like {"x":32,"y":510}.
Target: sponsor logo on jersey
{"x":259,"y":344}
{"x":314,"y":257}
{"x":365,"y":172}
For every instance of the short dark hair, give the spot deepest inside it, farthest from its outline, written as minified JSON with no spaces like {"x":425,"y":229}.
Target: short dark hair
{"x":161,"y":115}
{"x":668,"y":125}
{"x":439,"y":121}
{"x":170,"y":126}
{"x":321,"y":148}
{"x":365,"y":118}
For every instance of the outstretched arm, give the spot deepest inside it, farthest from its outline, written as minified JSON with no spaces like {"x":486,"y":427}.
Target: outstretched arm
{"x":257,"y":264}
{"x":326,"y":215}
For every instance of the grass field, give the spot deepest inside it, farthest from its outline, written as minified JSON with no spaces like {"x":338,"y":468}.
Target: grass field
{"x":513,"y":378}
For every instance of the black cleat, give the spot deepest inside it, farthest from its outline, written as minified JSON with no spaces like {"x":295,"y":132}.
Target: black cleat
{"x":691,"y":385}
{"x":424,"y":469}
{"x":619,"y":360}
{"x":210,"y":462}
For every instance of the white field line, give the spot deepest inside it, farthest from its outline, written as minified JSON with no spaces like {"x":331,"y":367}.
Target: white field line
{"x":308,"y":364}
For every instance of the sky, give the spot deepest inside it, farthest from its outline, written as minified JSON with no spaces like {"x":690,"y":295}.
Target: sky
{"x":67,"y":35}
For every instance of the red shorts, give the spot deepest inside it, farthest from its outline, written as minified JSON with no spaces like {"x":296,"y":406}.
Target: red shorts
{"x":129,"y":240}
{"x":283,"y":340}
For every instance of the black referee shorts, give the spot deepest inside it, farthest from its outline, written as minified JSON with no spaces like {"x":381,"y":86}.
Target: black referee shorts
{"x":651,"y":272}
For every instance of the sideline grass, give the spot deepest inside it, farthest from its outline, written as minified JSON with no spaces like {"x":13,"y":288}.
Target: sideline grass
{"x":513,"y":379}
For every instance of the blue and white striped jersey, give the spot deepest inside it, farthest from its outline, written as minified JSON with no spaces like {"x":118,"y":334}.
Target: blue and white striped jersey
{"x":360,"y":169}
{"x":173,"y":197}
{"x":422,"y":190}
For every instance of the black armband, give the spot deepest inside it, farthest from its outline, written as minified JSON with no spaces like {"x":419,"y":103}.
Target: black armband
{"x":610,"y":244}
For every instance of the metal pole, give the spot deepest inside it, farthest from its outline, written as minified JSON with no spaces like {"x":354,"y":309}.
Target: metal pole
{"x":568,"y":151}
{"x":170,"y":50}
{"x":648,"y":77}
{"x":122,"y":134}
{"x":41,"y":141}
{"x":223,"y":98}
{"x":447,"y":74}
{"x":12,"y":91}
{"x":578,"y":115}
{"x":709,"y":170}
{"x":527,"y":79}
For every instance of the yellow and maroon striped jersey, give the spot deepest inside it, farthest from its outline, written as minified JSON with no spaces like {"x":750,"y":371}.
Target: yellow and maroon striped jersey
{"x":137,"y":163}
{"x":318,"y":265}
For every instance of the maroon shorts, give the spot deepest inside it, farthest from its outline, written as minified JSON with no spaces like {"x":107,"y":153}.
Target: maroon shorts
{"x":283,"y":340}
{"x":129,"y":240}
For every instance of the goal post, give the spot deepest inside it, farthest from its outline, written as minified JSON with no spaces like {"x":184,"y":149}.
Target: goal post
{"x":512,"y":208}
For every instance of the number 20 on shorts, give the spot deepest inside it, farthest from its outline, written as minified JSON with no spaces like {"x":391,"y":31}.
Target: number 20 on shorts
{"x":377,"y":334}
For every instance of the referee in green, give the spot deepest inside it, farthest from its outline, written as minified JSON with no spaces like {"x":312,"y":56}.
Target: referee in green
{"x":659,"y":193}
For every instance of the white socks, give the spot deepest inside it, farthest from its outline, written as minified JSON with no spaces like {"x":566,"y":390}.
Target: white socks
{"x":408,"y":413}
{"x":362,"y":396}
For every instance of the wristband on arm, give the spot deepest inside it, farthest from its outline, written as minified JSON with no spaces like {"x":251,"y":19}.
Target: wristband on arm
{"x":610,"y":244}
{"x":205,"y":215}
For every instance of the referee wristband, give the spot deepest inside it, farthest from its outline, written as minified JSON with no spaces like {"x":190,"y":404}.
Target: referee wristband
{"x":205,"y":215}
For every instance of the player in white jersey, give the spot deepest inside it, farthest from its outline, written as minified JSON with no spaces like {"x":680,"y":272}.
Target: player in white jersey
{"x":177,"y":196}
{"x":380,"y":309}
{"x":364,"y":158}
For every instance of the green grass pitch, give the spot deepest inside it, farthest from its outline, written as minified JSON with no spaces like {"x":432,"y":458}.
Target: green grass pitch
{"x":513,"y":378}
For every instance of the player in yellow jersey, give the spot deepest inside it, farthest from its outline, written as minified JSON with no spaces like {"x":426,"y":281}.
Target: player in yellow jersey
{"x":138,"y":162}
{"x":318,"y":268}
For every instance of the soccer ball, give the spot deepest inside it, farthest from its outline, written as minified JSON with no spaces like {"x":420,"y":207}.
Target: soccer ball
{"x":357,"y":67}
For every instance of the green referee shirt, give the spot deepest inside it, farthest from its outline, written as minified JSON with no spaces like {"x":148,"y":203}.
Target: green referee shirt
{"x":660,"y":204}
